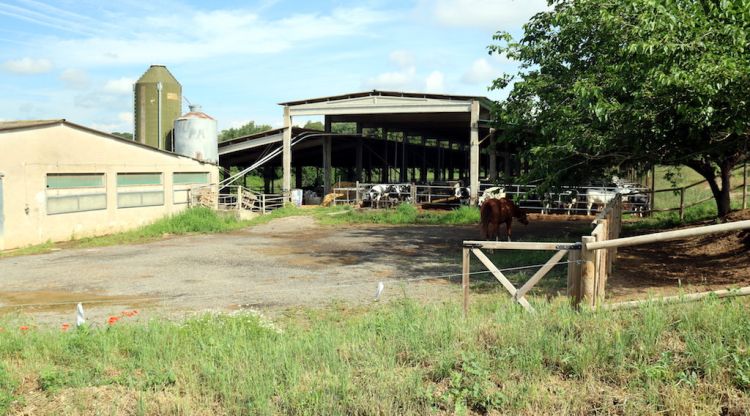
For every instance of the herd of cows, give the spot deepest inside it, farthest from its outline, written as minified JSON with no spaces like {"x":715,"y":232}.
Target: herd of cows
{"x":568,"y":200}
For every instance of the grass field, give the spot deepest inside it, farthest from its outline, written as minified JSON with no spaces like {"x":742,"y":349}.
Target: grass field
{"x":396,"y":358}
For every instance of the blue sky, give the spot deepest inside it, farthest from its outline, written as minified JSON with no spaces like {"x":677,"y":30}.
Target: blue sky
{"x":78,"y":59}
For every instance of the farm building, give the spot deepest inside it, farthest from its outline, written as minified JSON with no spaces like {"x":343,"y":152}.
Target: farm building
{"x":397,"y":137}
{"x":60,"y":180}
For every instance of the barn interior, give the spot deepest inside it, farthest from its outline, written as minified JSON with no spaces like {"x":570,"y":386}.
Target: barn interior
{"x":379,"y":137}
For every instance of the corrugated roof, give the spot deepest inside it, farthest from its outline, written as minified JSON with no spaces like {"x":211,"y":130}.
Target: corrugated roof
{"x":376,"y":93}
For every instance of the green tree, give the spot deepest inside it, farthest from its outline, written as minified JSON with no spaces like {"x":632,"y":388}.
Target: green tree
{"x":628,"y":83}
{"x":314,"y":125}
{"x":124,"y":135}
{"x":245,"y":130}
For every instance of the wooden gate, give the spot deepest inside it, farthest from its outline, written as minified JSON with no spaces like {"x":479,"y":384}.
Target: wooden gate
{"x":518,"y":294}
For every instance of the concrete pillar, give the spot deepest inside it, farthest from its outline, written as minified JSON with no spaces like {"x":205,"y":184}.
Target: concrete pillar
{"x":492,"y":150}
{"x":474,"y":152}
{"x":298,"y":176}
{"x":451,"y":168}
{"x":327,"y":145}
{"x":402,"y":177}
{"x":384,"y":173}
{"x":286,"y":162}
{"x":359,"y":151}
{"x":423,"y":173}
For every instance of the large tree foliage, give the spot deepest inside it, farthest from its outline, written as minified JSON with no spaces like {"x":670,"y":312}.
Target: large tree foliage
{"x":623,"y":83}
{"x":245,"y":130}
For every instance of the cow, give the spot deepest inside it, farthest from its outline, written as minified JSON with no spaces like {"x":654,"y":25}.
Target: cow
{"x":463,"y":193}
{"x":496,"y":192}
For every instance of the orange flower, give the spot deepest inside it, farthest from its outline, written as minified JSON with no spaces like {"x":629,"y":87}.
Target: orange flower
{"x":24,"y":328}
{"x":65,"y":326}
{"x":113,"y":319}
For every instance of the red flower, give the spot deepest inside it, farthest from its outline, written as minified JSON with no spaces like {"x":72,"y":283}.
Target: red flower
{"x":65,"y":326}
{"x":24,"y":328}
{"x":113,"y":319}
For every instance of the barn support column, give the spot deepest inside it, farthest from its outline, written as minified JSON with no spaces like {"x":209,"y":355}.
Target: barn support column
{"x":438,"y":169}
{"x":402,"y":173}
{"x":384,"y":173}
{"x":358,"y":157}
{"x":286,"y":151}
{"x":327,"y":144}
{"x":423,"y":169}
{"x":298,"y":176}
{"x":474,"y":152}
{"x":451,"y":167}
{"x":492,"y":150}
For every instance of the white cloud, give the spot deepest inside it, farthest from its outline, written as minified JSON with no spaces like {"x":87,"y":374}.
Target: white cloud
{"x":435,"y":82}
{"x":120,"y":86}
{"x":490,"y":14}
{"x":75,"y":79}
{"x":403,"y":59}
{"x":108,"y":127}
{"x":194,"y":35}
{"x":28,"y":66}
{"x":402,"y":80}
{"x":125,"y":117}
{"x":480,"y":72}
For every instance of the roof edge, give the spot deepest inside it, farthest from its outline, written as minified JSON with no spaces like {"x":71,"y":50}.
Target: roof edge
{"x":379,"y":93}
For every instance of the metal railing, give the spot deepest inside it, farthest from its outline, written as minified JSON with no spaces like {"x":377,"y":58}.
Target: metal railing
{"x":564,"y":200}
{"x":239,"y":198}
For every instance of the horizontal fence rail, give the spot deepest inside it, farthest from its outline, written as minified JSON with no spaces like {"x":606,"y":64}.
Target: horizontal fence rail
{"x":668,"y":235}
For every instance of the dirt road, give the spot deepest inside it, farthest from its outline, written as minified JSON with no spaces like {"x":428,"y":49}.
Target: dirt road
{"x":288,"y":262}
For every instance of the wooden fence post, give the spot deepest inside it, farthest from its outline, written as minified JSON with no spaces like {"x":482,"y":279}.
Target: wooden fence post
{"x":682,"y":203}
{"x":263,"y":203}
{"x":603,"y":264}
{"x":744,"y":186}
{"x":588,"y":272}
{"x":239,"y":198}
{"x":413,"y":192}
{"x":465,"y":279}
{"x":574,"y":277}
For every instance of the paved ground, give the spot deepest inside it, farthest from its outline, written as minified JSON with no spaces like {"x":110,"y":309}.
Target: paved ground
{"x":288,"y":262}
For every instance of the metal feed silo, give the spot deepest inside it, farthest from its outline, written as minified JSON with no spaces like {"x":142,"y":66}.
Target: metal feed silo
{"x":196,"y":135}
{"x":158,"y":102}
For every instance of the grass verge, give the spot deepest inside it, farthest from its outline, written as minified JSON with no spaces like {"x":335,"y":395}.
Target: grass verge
{"x":395,"y":358}
{"x":193,"y":220}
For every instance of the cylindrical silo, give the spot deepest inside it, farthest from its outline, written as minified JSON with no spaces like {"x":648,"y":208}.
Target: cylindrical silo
{"x":158,"y":102}
{"x":196,"y":135}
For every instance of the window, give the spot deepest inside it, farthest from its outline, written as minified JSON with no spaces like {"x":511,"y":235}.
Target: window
{"x":182,"y":181}
{"x":139,"y":190}
{"x":190,"y":178}
{"x":75,"y":192}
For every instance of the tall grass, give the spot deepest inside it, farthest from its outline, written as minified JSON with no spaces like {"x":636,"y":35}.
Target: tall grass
{"x":397,"y":358}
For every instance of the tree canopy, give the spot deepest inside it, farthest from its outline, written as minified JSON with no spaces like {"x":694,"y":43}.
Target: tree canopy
{"x":629,"y":83}
{"x":245,"y":130}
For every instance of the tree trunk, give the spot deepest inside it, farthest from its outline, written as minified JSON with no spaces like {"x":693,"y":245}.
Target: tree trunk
{"x":721,"y":193}
{"x":723,"y":201}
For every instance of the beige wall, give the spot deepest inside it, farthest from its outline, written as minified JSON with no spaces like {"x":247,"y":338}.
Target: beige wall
{"x":27,"y":156}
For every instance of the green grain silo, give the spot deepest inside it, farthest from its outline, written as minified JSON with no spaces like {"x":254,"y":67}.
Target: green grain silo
{"x":158,"y":102}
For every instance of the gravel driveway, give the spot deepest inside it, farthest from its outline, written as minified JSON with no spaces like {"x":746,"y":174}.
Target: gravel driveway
{"x":288,"y":262}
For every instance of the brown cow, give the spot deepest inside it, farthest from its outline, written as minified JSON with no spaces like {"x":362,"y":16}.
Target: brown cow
{"x":495,"y":212}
